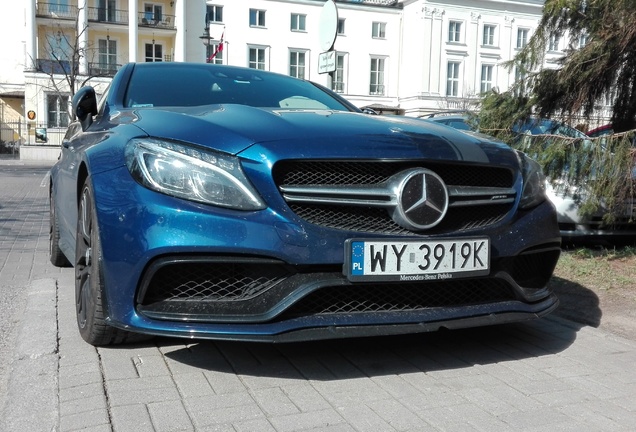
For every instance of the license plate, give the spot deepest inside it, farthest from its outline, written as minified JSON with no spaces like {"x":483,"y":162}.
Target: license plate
{"x":413,"y":261}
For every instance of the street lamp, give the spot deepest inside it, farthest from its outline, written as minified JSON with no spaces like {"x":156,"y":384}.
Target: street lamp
{"x":208,"y":42}
{"x":206,"y":34}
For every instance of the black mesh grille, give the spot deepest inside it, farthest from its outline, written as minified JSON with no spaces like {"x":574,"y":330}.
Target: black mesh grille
{"x":533,"y":269}
{"x":368,"y":219}
{"x":378,"y":220}
{"x":222,"y":291}
{"x":401,"y":297}
{"x":359,"y":173}
{"x":213,"y":281}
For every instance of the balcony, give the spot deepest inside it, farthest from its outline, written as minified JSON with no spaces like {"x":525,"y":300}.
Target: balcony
{"x":111,"y":16}
{"x":103,"y":69}
{"x":56,"y":10}
{"x":149,"y":19}
{"x":54,"y":67}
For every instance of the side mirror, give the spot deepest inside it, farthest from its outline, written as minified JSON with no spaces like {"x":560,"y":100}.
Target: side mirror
{"x":85,"y":106}
{"x":371,"y":111}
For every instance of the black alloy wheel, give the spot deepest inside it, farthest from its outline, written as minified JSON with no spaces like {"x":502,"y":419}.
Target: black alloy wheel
{"x":89,"y":288}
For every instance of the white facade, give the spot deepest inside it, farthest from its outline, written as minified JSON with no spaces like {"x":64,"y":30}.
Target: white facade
{"x":453,"y":50}
{"x":281,"y":43}
{"x":408,"y":56}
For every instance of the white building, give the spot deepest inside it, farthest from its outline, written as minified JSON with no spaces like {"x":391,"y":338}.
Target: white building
{"x":398,"y":56}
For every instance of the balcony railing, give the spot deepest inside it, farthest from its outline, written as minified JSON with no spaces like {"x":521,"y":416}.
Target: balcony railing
{"x":114,"y":16}
{"x":149,"y":19}
{"x":103,"y":69}
{"x":56,"y":10}
{"x":62,"y":67}
{"x":111,"y":16}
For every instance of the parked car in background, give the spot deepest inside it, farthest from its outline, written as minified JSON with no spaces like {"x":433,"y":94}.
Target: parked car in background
{"x":209,"y":201}
{"x":455,"y":119}
{"x":568,"y":199}
{"x":574,"y":227}
{"x":543,"y":126}
{"x":600,"y":131}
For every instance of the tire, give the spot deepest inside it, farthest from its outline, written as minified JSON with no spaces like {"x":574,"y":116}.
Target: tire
{"x":89,"y":282}
{"x":57,"y":257}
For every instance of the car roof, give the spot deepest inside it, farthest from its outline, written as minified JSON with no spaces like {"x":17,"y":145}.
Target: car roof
{"x":601,"y":130}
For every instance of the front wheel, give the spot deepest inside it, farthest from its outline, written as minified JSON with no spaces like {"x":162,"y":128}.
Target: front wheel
{"x":89,"y":285}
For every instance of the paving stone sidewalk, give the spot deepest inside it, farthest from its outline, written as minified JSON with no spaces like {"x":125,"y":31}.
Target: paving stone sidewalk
{"x":548,"y":374}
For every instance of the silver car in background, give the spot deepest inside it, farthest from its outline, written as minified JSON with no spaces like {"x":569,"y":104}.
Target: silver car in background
{"x":574,"y":227}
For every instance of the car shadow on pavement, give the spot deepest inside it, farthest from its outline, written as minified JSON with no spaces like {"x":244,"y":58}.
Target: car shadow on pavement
{"x":329,"y":360}
{"x":576,"y":302}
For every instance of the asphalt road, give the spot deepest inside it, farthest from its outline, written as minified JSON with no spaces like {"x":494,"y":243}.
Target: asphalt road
{"x":547,"y":374}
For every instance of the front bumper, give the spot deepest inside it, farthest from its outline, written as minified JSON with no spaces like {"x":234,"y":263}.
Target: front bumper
{"x":591,"y":229}
{"x":171,"y":266}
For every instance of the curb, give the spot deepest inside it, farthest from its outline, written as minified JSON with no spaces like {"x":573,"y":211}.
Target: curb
{"x":32,"y":394}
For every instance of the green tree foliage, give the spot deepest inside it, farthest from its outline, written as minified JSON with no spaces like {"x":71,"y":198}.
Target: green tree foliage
{"x":598,"y":172}
{"x":604,"y":68}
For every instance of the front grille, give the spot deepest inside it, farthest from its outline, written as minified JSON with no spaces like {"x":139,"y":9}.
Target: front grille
{"x":376,"y":220}
{"x":261,"y":290}
{"x":365,"y":173}
{"x":532,"y":269}
{"x":210,"y":281}
{"x":401,"y":297}
{"x":314,"y":182}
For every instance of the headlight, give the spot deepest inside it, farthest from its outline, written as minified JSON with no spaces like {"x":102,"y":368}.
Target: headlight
{"x":533,"y":182}
{"x":191,"y":173}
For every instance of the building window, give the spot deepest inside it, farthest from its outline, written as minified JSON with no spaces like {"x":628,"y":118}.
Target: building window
{"x":257,"y":58}
{"x":378,"y":30}
{"x":553,"y":43}
{"x":57,"y":107}
{"x":338,"y":83}
{"x":341,"y":26}
{"x":106,"y":10}
{"x":107,"y":54}
{"x":154,"y":52}
{"x":297,"y":63}
{"x":520,"y":78}
{"x":489,"y":35}
{"x":486,"y":78}
{"x":298,"y":22}
{"x":153,"y":13}
{"x":257,"y":18}
{"x":215,"y":13}
{"x":214,"y":53}
{"x":454,"y":31}
{"x":60,"y":7}
{"x":376,"y":86}
{"x":452,"y":79}
{"x":522,"y":38}
{"x":58,"y":46}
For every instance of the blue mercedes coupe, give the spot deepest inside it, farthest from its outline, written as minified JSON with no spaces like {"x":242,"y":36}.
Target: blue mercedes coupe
{"x":208,"y":201}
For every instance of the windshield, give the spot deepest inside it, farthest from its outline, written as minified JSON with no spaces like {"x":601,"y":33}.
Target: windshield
{"x":551,"y":127}
{"x":185,"y":85}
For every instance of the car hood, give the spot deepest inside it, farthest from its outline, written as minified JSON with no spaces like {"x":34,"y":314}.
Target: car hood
{"x":319,"y":133}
